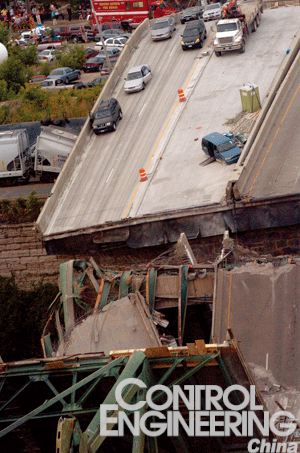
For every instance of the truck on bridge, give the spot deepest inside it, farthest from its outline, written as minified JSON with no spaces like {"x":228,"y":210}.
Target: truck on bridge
{"x":239,"y":20}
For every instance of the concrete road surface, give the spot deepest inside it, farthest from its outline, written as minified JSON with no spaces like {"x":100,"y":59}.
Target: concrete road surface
{"x":164,"y":136}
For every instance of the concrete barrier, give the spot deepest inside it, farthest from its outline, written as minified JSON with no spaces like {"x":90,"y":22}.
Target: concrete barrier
{"x":286,"y":76}
{"x":76,"y":153}
{"x":284,"y":69}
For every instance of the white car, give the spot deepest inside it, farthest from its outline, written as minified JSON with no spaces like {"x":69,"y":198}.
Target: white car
{"x":137,"y":78}
{"x":46,"y":55}
{"x":212,"y":11}
{"x":116,"y":42}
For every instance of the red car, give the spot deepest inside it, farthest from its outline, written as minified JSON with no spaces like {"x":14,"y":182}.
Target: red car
{"x":93,"y":64}
{"x":90,"y":53}
{"x":37,"y":80}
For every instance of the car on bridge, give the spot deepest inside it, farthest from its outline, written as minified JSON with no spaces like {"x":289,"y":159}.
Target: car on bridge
{"x":193,"y":35}
{"x":107,"y":116}
{"x":137,"y":78}
{"x":193,"y":13}
{"x":212,"y":11}
{"x":163,"y":28}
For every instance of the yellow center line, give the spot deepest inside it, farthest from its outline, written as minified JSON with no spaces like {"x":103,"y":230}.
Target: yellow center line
{"x":164,"y":130}
{"x":271,"y":144}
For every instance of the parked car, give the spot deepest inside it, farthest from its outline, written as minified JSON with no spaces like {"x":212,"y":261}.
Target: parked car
{"x":93,"y":64}
{"x":212,"y":11}
{"x":37,"y":80}
{"x":95,"y":82}
{"x":66,"y":75}
{"x":46,"y":55}
{"x":163,"y":28}
{"x":137,"y":78}
{"x":107,"y":116}
{"x":111,"y":52}
{"x":193,"y":13}
{"x":112,"y":33}
{"x":193,"y":35}
{"x":90,"y":53}
{"x":105,"y":70}
{"x":117,"y":42}
{"x":54,"y":85}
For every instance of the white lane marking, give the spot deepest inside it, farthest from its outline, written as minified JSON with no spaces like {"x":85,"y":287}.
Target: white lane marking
{"x":109,"y":175}
{"x":142,"y":109}
{"x":173,"y":50}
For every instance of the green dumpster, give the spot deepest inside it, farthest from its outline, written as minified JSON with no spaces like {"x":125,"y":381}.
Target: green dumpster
{"x":250,"y":97}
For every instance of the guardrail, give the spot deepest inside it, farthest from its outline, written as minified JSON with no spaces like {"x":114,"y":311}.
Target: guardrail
{"x":282,"y":73}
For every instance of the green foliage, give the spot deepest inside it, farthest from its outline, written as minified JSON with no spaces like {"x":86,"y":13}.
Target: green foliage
{"x":20,"y":210}
{"x":13,"y":72}
{"x":35,"y":104}
{"x":3,"y":91}
{"x":23,"y":315}
{"x":4,"y":34}
{"x":45,"y":69}
{"x":34,"y":94}
{"x":4,"y":114}
{"x":72,"y":57}
{"x":28,"y":55}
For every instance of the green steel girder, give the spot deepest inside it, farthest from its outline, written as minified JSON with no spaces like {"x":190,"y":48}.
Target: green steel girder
{"x":104,"y":371}
{"x":124,"y":287}
{"x":137,"y":359}
{"x":150,"y":288}
{"x":40,"y":367}
{"x":204,"y":360}
{"x":182,"y":301}
{"x":15,"y":395}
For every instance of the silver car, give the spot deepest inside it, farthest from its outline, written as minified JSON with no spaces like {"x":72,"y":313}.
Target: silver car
{"x":163,"y":28}
{"x":137,"y":78}
{"x":212,"y":11}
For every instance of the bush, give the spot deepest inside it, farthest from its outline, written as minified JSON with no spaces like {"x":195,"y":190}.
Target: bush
{"x":23,"y":315}
{"x":3,"y":90}
{"x":45,"y":69}
{"x":4,"y":34}
{"x":28,"y":55}
{"x":20,"y":210}
{"x":4,"y":114}
{"x":72,"y":57}
{"x":12,"y":71}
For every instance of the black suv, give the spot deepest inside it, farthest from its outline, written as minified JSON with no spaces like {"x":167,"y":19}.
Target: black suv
{"x":106,"y":116}
{"x":193,"y":35}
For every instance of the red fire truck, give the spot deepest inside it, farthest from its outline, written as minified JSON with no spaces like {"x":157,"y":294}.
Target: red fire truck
{"x":130,"y":10}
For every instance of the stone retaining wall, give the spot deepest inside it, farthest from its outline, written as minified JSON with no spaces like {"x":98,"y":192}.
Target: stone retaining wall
{"x":23,"y":256}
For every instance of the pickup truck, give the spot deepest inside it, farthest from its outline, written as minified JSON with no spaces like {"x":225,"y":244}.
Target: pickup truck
{"x":221,"y":147}
{"x":76,"y":33}
{"x":54,"y":85}
{"x":48,"y":44}
{"x":65,"y":75}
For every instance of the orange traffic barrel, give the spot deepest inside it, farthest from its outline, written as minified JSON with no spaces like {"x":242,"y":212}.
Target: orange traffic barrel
{"x":181,"y":96}
{"x":143,"y":176}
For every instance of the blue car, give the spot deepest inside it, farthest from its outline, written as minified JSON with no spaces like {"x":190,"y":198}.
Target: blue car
{"x":222,"y":147}
{"x":65,"y":75}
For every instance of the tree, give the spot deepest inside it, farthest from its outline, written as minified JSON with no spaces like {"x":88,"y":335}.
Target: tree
{"x":73,"y":57}
{"x":13,"y":72}
{"x":4,"y":34}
